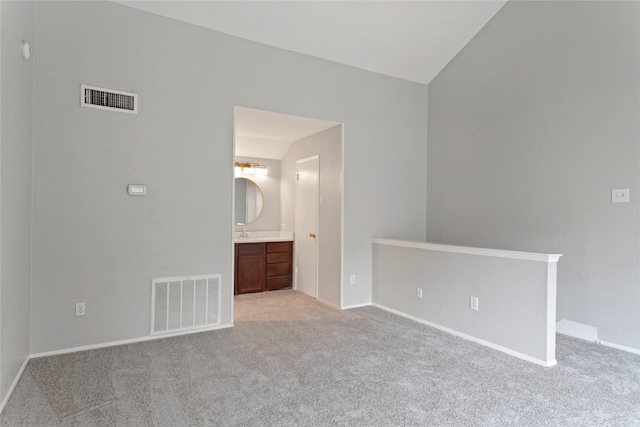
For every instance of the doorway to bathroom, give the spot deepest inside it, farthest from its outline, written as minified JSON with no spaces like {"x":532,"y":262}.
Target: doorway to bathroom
{"x":271,"y":152}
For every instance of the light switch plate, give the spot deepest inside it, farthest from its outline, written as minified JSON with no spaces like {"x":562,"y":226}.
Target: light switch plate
{"x":137,"y":189}
{"x":620,"y":195}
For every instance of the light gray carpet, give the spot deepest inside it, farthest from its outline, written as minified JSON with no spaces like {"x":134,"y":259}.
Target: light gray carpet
{"x":291,"y":360}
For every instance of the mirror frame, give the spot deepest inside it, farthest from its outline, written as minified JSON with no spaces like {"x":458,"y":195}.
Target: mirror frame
{"x":261,"y":194}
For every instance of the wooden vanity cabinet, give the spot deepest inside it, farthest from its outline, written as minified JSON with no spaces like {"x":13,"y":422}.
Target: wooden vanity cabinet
{"x":279,"y":263}
{"x":250,"y":268}
{"x":263,"y":267}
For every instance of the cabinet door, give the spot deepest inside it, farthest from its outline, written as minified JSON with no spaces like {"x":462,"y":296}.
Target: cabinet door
{"x":250,"y":269}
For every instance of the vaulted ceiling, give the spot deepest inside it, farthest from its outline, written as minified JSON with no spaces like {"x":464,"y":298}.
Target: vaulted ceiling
{"x":411,"y":40}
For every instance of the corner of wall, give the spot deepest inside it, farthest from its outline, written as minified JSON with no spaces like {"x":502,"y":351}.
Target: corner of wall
{"x":16,"y":204}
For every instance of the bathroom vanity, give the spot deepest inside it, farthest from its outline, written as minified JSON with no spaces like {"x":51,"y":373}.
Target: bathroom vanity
{"x":263,"y":259}
{"x":263,"y":264}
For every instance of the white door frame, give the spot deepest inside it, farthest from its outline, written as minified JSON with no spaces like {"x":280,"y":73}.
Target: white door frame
{"x":2,"y":401}
{"x":342,"y":217}
{"x":306,"y":159}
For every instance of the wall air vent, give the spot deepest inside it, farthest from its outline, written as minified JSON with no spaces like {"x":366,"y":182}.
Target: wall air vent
{"x":108,"y":99}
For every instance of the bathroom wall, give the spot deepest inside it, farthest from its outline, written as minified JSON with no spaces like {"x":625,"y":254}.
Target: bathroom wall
{"x":328,"y":145}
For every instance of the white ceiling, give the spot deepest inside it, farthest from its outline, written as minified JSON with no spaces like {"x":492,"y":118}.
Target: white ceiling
{"x":269,"y":135}
{"x":411,"y":40}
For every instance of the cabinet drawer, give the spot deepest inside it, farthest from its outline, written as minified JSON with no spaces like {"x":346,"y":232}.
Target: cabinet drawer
{"x":280,"y":269}
{"x":278,"y":257}
{"x":279,"y":247}
{"x":250,"y":248}
{"x":275,"y":283}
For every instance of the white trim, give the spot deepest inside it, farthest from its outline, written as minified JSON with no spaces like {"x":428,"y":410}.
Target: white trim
{"x":328,"y":303}
{"x":349,"y":307}
{"x":14,"y":384}
{"x":341,"y":214}
{"x":619,"y":347}
{"x":232,"y":280}
{"x":306,"y":159}
{"x":470,"y":338}
{"x":31,"y":223}
{"x":577,"y":330}
{"x":552,"y":291}
{"x":129,"y":341}
{"x":497,"y":253}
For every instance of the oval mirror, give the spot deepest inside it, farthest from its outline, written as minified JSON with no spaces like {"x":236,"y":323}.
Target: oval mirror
{"x":249,"y":201}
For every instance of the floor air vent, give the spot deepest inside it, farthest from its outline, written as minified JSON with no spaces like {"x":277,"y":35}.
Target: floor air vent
{"x":108,"y":99}
{"x":185,"y":303}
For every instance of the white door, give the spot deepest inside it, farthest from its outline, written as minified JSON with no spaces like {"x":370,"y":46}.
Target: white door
{"x":306,"y":241}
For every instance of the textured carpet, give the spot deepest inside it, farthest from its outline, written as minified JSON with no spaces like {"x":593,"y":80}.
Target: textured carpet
{"x":291,"y":360}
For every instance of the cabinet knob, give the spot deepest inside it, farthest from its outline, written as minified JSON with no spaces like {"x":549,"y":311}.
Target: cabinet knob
{"x":312,"y":235}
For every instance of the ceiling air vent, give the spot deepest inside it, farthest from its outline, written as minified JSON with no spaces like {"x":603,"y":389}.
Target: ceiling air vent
{"x":108,"y":99}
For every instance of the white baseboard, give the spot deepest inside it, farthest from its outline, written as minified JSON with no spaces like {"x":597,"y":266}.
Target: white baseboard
{"x":471,"y":338}
{"x":577,"y":330}
{"x":14,"y":384}
{"x":588,"y":333}
{"x":129,"y":341}
{"x":328,"y":303}
{"x":348,"y":307}
{"x":619,"y":347}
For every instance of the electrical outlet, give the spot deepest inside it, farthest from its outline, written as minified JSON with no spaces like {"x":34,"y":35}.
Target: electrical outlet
{"x":419,"y":292}
{"x":473,"y":303}
{"x":620,"y":195}
{"x":80,"y":309}
{"x":352,"y":279}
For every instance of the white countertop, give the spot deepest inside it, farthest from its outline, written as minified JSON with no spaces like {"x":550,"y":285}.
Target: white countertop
{"x":263,"y":236}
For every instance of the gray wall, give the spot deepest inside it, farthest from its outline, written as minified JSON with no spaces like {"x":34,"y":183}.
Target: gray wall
{"x":269,"y":219}
{"x":514,"y":295}
{"x":530,"y":127}
{"x":16,"y":119}
{"x":328,"y":145}
{"x":94,"y":243}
